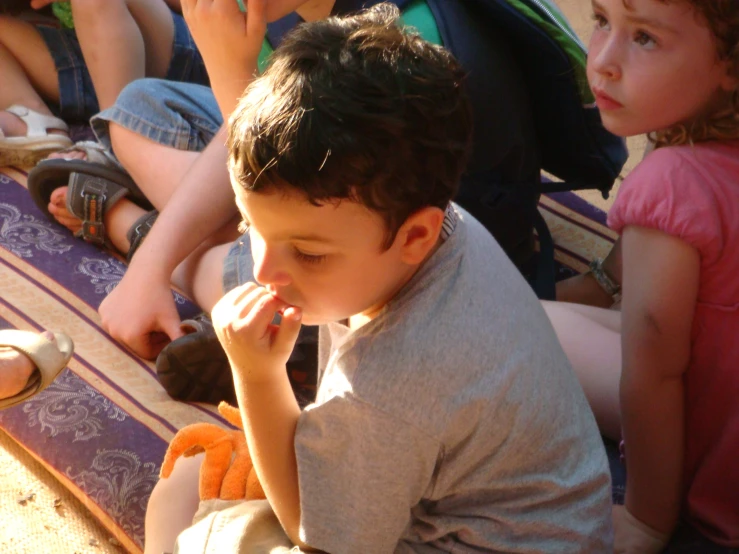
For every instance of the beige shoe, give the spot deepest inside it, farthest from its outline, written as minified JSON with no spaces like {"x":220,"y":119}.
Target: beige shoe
{"x":37,"y":143}
{"x":50,"y":359}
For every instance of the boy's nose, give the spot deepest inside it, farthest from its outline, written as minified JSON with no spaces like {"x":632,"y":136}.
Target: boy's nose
{"x":268,"y":270}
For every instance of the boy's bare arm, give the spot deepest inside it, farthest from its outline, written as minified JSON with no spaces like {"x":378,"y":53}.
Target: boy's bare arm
{"x":258,"y":351}
{"x":661,"y":275}
{"x":142,"y":302}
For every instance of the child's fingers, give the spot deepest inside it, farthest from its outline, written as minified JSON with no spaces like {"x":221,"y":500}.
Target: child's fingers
{"x":256,"y":22}
{"x":287,"y":334}
{"x":246,"y":302}
{"x":262,"y":314}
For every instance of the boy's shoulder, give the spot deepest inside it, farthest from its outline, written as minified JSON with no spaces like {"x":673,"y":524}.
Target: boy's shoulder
{"x":467,"y":318}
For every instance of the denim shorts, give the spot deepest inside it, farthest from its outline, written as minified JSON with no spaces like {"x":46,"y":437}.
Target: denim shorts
{"x":238,"y":267}
{"x":77,"y":99}
{"x":184,"y":116}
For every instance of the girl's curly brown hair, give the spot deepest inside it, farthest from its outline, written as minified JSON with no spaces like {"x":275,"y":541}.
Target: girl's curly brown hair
{"x":722,"y":18}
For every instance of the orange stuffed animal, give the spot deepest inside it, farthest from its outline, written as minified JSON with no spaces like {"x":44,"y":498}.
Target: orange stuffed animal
{"x":227,"y":471}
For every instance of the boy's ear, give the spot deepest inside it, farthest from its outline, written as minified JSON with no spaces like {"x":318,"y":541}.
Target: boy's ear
{"x":419,"y":234}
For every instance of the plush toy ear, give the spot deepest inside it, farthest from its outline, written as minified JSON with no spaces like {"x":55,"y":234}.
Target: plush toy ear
{"x":231,"y":414}
{"x":187,"y":438}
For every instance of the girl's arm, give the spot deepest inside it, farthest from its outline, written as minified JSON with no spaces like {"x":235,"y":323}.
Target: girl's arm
{"x":661,"y":279}
{"x":584,"y":289}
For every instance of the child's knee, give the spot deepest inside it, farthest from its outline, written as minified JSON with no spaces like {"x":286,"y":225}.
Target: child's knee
{"x":181,"y":487}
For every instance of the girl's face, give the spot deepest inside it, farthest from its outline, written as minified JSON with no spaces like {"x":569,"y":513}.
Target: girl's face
{"x":653,"y":65}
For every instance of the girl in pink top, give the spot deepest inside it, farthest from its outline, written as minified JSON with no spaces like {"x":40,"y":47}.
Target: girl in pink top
{"x":664,"y":370}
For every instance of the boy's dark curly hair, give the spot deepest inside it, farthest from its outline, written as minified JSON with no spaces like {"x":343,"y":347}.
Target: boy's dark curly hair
{"x":722,"y":18}
{"x":356,"y":108}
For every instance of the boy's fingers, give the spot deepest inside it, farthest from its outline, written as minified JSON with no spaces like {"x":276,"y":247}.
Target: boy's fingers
{"x":245,"y":304}
{"x":287,"y":333}
{"x":171,"y":327}
{"x":262,"y":314}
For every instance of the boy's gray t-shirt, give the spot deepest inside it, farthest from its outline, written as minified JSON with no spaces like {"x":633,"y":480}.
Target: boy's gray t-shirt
{"x":452,"y":422}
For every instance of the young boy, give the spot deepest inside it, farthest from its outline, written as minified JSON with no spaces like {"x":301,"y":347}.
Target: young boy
{"x":447,"y":417}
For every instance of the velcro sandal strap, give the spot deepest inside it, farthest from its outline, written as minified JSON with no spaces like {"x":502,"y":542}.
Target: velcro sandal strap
{"x":89,"y":197}
{"x":138,"y":231}
{"x":93,"y":228}
{"x":38,"y":124}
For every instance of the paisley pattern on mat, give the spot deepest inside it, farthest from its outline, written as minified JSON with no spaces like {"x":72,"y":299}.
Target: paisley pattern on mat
{"x":104,"y":273}
{"x":122,"y":483}
{"x":69,"y":405}
{"x":22,"y":234}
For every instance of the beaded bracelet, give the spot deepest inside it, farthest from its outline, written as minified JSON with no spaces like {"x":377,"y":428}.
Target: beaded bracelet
{"x":606,"y":282}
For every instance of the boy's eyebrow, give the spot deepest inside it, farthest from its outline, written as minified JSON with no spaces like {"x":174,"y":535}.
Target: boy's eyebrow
{"x":312,"y":238}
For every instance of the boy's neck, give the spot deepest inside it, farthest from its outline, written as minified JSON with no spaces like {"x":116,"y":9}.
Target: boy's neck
{"x":315,"y":10}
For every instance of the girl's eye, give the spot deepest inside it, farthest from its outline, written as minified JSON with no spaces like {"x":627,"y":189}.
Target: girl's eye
{"x":309,"y":258}
{"x":600,"y":21}
{"x":643,"y":39}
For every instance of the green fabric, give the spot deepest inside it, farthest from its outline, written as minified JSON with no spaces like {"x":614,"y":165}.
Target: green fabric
{"x":264,"y":55}
{"x":417,"y":15}
{"x":63,"y":12}
{"x":556,"y":30}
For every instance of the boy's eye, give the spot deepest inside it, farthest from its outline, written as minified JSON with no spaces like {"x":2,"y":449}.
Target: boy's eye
{"x":643,"y":39}
{"x":309,"y":258}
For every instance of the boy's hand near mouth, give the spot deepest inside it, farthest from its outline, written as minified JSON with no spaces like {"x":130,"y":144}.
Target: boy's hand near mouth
{"x":257,"y":348}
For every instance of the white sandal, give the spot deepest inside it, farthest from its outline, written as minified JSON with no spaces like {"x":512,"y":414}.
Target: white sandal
{"x":37,"y":143}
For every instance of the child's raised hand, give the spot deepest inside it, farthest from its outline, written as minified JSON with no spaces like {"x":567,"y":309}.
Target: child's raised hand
{"x":257,"y":348}
{"x":631,"y":536}
{"x":229,"y":40}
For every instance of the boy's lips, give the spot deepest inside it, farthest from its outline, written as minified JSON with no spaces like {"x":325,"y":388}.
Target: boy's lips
{"x":605,"y":102}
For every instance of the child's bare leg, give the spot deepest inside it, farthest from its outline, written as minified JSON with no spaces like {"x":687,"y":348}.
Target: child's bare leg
{"x":591,"y":338}
{"x":172,"y":505}
{"x":28,"y":73}
{"x":117,"y":220}
{"x":15,"y":369}
{"x":200,"y":275}
{"x":121,"y":40}
{"x":157,"y":169}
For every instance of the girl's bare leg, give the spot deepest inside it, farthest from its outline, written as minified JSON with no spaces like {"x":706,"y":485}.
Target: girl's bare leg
{"x":121,"y":41}
{"x":28,"y":73}
{"x":591,"y":338}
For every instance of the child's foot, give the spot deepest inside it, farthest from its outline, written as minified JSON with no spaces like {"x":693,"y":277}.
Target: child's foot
{"x":13,"y":126}
{"x":58,"y":209}
{"x":16,"y":369}
{"x":72,"y":153}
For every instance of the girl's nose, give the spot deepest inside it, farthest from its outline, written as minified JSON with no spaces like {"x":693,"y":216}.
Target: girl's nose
{"x":604,"y":57}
